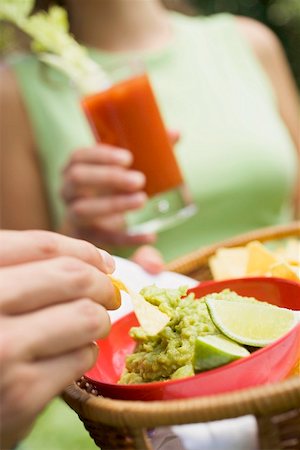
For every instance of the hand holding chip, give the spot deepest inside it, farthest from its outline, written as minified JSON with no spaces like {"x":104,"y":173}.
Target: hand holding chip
{"x":54,"y":295}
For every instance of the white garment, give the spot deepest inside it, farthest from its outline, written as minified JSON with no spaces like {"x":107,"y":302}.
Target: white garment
{"x":229,"y":434}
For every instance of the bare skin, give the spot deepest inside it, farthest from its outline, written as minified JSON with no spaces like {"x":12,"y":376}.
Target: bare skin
{"x":23,"y":202}
{"x":118,"y":25}
{"x":48,"y":320}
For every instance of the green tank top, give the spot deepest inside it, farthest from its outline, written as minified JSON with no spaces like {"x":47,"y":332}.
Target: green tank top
{"x":235,"y":152}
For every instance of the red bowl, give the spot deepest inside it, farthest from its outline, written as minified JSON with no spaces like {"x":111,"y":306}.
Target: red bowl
{"x":269,"y":364}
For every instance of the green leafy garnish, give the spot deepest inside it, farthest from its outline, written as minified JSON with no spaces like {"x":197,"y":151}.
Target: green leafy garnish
{"x":15,"y":11}
{"x":53,"y":43}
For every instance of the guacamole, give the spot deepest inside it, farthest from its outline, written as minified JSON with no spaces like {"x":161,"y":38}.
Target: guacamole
{"x":170,"y":353}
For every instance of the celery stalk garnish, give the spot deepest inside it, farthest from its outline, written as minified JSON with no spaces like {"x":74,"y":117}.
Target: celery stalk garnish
{"x":53,"y":43}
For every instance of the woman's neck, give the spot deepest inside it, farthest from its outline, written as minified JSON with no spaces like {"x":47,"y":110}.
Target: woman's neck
{"x":120,"y":25}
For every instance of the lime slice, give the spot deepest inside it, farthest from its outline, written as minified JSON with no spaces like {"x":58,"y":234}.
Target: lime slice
{"x":250,"y":323}
{"x":216,"y":350}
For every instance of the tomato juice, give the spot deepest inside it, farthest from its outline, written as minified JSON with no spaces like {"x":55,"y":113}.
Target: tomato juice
{"x":126,"y":115}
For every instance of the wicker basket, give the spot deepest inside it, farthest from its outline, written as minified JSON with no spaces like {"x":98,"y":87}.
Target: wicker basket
{"x":118,"y":425}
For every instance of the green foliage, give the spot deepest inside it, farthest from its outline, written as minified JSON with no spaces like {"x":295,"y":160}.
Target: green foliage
{"x":58,"y":428}
{"x":282,"y":16}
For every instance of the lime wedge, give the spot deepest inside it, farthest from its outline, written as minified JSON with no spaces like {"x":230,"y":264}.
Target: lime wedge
{"x":250,"y":323}
{"x":216,"y":350}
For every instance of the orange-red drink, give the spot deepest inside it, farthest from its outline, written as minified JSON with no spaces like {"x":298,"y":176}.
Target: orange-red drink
{"x":127,"y":116}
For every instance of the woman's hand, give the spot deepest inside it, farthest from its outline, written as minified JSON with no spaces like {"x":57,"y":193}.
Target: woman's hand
{"x":53,"y":301}
{"x":98,"y":189}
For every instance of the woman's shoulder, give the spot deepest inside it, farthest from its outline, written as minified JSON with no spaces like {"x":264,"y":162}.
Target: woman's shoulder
{"x":261,"y":39}
{"x":8,"y":83}
{"x":8,"y":80}
{"x":240,"y":34}
{"x":205,"y":23}
{"x":11,"y":93}
{"x":13,"y":64}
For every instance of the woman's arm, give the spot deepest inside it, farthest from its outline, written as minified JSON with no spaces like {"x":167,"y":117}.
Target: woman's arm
{"x":271,"y":55}
{"x":23,"y":203}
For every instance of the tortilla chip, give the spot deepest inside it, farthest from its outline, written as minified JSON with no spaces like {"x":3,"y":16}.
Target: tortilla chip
{"x":260,"y":259}
{"x":118,"y":284}
{"x":217,"y":268}
{"x":290,"y":252}
{"x":229,"y":263}
{"x":150,"y":318}
{"x":295,"y":370}
{"x":283,"y":270}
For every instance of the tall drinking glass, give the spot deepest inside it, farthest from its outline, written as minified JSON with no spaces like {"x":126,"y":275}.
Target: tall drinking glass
{"x":126,"y":115}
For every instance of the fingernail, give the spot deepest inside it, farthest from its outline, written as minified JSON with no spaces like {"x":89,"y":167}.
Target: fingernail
{"x":108,"y":261}
{"x":136,"y":178}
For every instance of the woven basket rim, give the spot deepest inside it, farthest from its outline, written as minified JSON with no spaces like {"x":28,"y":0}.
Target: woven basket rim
{"x":261,"y":401}
{"x":191,"y":261}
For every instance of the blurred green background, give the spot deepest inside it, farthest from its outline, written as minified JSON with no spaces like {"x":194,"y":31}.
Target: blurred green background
{"x":282,"y":16}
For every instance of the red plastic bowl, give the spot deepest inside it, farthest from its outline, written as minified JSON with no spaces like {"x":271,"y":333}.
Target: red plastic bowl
{"x":266,"y":365}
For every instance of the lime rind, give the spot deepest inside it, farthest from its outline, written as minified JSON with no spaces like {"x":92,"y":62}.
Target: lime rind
{"x":255,"y":324}
{"x":213,"y":351}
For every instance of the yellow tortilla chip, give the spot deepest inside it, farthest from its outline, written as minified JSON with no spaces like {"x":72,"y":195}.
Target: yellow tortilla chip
{"x":257,"y":260}
{"x":118,"y":284}
{"x":295,"y":370}
{"x":283,"y":270}
{"x":291,"y":252}
{"x":229,"y":263}
{"x":217,"y":268}
{"x":151,"y":319}
{"x":260,"y":259}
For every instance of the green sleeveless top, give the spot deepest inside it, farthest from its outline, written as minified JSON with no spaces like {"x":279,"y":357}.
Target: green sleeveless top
{"x":235,"y":152}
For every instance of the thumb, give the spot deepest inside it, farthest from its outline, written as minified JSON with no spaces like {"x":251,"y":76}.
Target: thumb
{"x":149,"y":258}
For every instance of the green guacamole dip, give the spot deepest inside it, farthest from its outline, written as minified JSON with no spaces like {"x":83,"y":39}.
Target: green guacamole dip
{"x":169,"y":354}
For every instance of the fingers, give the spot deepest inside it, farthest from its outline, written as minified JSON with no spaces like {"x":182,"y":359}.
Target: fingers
{"x":102,"y":178}
{"x":19,"y":247}
{"x":85,"y":210}
{"x":30,"y":386}
{"x":58,"y":280}
{"x":59,"y":329}
{"x":149,"y":258}
{"x":104,"y":235}
{"x":56,"y":373}
{"x":102,"y":154}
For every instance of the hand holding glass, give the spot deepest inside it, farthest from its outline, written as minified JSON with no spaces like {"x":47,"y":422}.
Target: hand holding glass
{"x":126,"y":115}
